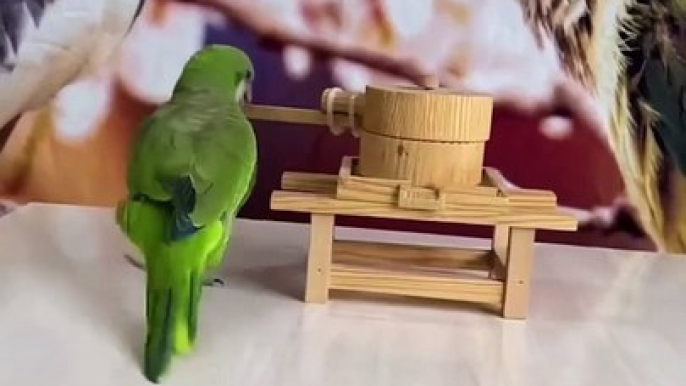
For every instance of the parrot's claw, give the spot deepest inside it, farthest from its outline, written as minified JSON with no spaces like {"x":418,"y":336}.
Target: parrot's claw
{"x":214,"y":282}
{"x":133,"y":262}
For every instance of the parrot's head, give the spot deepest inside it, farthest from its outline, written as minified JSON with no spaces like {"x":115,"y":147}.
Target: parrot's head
{"x":221,"y":68}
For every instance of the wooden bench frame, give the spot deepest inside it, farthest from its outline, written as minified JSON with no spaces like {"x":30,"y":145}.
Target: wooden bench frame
{"x":499,"y":276}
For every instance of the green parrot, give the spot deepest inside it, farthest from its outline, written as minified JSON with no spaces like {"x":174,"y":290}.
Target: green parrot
{"x":192,"y":169}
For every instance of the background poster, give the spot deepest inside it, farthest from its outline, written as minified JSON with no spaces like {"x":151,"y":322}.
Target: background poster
{"x":75,"y":150}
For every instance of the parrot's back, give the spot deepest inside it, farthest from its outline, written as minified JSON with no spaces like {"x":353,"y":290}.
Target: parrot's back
{"x":198,"y":152}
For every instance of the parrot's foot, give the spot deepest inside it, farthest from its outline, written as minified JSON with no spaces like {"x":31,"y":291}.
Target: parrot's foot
{"x":213,"y":282}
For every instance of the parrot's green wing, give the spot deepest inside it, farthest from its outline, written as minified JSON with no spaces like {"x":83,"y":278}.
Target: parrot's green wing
{"x":251,"y":187}
{"x":200,"y":162}
{"x":223,"y":170}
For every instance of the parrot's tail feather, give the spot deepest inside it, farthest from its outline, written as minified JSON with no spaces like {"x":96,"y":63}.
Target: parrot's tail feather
{"x":197,"y":284}
{"x":172,"y":324}
{"x":159,"y":347}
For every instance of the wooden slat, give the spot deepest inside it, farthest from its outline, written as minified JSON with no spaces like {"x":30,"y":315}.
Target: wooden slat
{"x":393,"y":283}
{"x":480,"y":190}
{"x":309,"y":182}
{"x":467,"y":214}
{"x":386,"y":191}
{"x":351,"y":181}
{"x":412,"y":257}
{"x":366,"y":191}
{"x":519,"y":196}
{"x":354,"y":190}
{"x":493,"y":177}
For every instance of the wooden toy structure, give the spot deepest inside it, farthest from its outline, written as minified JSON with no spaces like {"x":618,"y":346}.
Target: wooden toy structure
{"x":421,"y":158}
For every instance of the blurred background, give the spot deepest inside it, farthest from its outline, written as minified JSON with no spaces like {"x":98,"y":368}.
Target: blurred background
{"x":75,"y":150}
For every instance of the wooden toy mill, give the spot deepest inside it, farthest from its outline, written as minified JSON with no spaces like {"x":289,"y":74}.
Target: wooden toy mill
{"x":421,"y":158}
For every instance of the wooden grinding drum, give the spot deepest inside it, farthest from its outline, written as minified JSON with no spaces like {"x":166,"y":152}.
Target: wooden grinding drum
{"x":434,"y":138}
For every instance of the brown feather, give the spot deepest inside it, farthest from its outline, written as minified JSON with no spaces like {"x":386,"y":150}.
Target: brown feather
{"x":612,"y":71}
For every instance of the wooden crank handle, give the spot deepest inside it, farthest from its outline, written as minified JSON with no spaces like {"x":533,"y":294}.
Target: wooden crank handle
{"x":336,"y":101}
{"x":340,"y":110}
{"x":287,"y":115}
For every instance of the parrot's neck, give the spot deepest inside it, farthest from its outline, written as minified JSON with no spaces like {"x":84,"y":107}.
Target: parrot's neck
{"x":205,"y":96}
{"x":208,"y":101}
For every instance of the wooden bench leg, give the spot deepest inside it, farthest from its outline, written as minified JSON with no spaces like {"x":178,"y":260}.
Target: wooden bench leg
{"x":501,"y":238}
{"x":319,"y":258}
{"x":520,"y":253}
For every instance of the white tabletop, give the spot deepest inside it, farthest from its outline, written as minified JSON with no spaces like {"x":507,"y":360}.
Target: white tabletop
{"x":71,"y":314}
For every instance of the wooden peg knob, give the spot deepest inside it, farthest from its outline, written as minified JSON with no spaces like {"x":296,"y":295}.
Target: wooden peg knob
{"x":430,"y":82}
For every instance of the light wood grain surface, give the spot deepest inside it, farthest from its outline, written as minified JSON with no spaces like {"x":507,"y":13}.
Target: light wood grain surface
{"x":71,"y":314}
